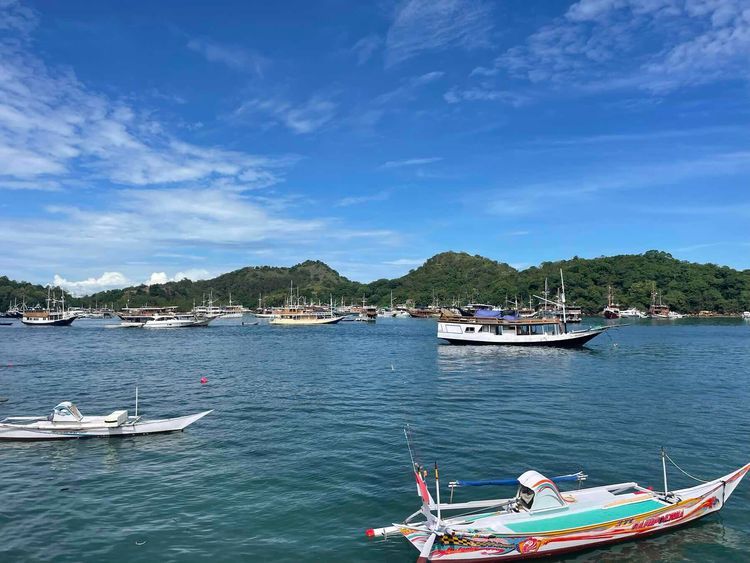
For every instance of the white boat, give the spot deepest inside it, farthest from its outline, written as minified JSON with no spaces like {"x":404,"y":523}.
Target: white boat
{"x":177,"y":321}
{"x":543,"y":521}
{"x":633,"y":313}
{"x":746,"y":315}
{"x":513,"y":332}
{"x":295,"y":316}
{"x":66,"y":422}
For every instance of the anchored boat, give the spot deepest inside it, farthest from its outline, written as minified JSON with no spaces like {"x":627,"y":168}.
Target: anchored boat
{"x":66,"y":422}
{"x":540,"y":520}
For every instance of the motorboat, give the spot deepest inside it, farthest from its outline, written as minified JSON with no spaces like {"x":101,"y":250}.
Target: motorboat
{"x":541,"y":520}
{"x":632,"y":313}
{"x":177,"y":320}
{"x":66,"y":422}
{"x":746,"y":315}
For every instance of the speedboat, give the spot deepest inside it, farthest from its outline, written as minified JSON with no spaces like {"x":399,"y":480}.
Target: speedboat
{"x":541,"y":520}
{"x":67,"y":422}
{"x":177,"y":321}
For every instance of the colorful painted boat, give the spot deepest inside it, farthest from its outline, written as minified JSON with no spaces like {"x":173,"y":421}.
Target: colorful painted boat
{"x":542,"y":521}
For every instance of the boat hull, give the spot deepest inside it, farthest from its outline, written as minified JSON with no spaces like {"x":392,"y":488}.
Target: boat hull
{"x":305,"y":322}
{"x":55,"y":322}
{"x":16,"y":432}
{"x":568,"y":340}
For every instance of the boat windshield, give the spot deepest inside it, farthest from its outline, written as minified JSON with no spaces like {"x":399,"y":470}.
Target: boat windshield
{"x":525,"y":497}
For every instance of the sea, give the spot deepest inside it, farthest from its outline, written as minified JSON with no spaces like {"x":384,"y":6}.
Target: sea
{"x":305,"y":448}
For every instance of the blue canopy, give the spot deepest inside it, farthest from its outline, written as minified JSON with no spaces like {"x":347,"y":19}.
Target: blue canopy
{"x":512,"y":482}
{"x":487,"y":314}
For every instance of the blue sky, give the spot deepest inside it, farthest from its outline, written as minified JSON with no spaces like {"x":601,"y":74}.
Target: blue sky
{"x":155,"y":140}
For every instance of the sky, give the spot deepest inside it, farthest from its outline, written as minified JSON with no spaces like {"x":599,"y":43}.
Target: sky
{"x":150,"y":141}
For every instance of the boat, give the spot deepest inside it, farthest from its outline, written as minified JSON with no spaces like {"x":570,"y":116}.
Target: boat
{"x":297,"y":314}
{"x":143,"y":314}
{"x":492,"y":327}
{"x":612,"y":310}
{"x":632,"y":313}
{"x":54,"y":315}
{"x":659,"y":310}
{"x":66,"y":422}
{"x":746,"y":315}
{"x":513,"y":332}
{"x":543,"y":521}
{"x":177,"y":320}
{"x":303,"y":316}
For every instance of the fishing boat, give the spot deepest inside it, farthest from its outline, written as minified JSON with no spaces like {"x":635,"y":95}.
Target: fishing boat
{"x":54,"y":315}
{"x":542,"y":521}
{"x":66,"y":422}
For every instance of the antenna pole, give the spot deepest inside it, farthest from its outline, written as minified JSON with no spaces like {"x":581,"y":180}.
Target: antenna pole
{"x":562,"y":300}
{"x":664,"y":469}
{"x":136,"y":400}
{"x":437,"y":491}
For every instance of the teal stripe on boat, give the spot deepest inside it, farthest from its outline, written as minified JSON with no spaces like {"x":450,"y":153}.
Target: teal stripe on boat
{"x":586,"y":518}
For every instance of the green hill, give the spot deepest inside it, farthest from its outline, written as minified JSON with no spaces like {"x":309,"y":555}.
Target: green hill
{"x":451,"y":277}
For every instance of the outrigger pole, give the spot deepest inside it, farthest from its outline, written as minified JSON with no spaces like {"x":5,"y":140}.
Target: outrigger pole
{"x":437,"y":493}
{"x":664,"y":469}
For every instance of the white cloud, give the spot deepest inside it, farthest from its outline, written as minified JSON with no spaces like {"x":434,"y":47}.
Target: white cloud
{"x":53,"y":129}
{"x":654,"y":45}
{"x":422,"y":25}
{"x":232,"y":56}
{"x":15,"y":17}
{"x":300,"y":119}
{"x":406,"y":262}
{"x":411,"y":162}
{"x":193,"y":275}
{"x":359,"y":200}
{"x":366,"y":47}
{"x":108,"y":280}
{"x":481,"y":94}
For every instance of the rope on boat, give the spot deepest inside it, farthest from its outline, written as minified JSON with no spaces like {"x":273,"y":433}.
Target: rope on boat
{"x":683,"y":471}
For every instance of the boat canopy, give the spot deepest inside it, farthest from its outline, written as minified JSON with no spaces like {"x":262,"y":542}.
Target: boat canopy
{"x":536,"y":492}
{"x":487,"y":314}
{"x":66,"y":412}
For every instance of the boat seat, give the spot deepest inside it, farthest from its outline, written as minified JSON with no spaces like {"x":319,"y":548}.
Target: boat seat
{"x":116,"y":418}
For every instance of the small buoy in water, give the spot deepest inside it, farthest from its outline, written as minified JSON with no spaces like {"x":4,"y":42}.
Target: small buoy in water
{"x":392,"y":368}
{"x":140,"y":542}
{"x":204,"y":380}
{"x":3,"y":399}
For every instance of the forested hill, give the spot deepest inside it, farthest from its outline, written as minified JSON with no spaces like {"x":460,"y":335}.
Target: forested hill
{"x":453,"y":276}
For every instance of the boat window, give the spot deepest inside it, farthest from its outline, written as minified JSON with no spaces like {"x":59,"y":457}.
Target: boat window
{"x":499,"y":330}
{"x":525,"y":497}
{"x":469,"y":329}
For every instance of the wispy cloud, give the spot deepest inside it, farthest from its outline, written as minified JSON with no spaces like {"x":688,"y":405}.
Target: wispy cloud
{"x":236,"y":58}
{"x":410,"y":162}
{"x":406,"y":262}
{"x":483,"y":94}
{"x":659,"y":46}
{"x":359,"y":200}
{"x":302,"y":118}
{"x":366,"y":47}
{"x":425,"y":25}
{"x":15,"y":17}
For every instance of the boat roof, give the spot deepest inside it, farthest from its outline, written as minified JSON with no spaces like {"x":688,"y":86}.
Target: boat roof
{"x":500,"y":321}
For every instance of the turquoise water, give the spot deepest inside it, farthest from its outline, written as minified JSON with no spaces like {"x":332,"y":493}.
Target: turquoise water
{"x":305,"y":448}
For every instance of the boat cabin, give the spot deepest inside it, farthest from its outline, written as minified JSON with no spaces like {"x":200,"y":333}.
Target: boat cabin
{"x":536,"y":492}
{"x":66,"y":412}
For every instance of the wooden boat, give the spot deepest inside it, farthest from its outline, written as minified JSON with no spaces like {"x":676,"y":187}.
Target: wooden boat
{"x":66,"y":422}
{"x":541,"y":521}
{"x":612,"y":310}
{"x":54,"y":315}
{"x":296,"y":316}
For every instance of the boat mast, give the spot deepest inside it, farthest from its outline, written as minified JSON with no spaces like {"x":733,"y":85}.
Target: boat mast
{"x":562,"y":299}
{"x":664,"y":468}
{"x":437,"y":494}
